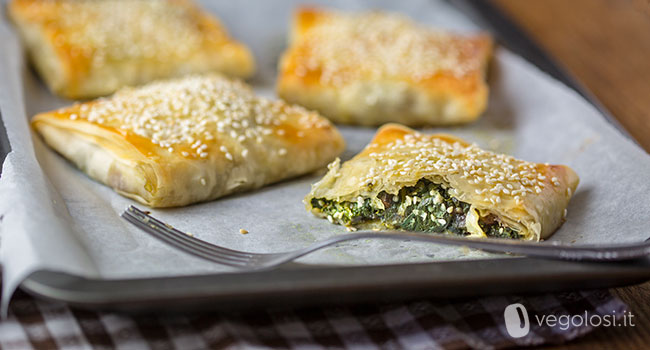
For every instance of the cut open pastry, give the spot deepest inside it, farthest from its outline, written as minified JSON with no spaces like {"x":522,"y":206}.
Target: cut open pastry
{"x":88,"y":48}
{"x":193,"y":139}
{"x":373,"y":68}
{"x":438,"y":183}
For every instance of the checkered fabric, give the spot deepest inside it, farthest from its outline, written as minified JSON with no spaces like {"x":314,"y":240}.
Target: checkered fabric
{"x":426,"y":324}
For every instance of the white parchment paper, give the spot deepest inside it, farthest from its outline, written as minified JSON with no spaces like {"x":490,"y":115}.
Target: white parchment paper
{"x":56,"y":218}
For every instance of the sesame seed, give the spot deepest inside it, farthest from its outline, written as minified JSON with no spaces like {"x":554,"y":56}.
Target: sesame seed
{"x":375,"y":45}
{"x":195,"y":111}
{"x":282,"y":151}
{"x":155,"y":29}
{"x":502,"y":176}
{"x":203,"y":181}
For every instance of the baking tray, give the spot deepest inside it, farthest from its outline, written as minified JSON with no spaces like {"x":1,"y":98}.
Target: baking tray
{"x":300,"y":285}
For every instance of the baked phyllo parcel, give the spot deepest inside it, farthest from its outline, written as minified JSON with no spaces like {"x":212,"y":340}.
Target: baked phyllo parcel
{"x":373,"y":68}
{"x":88,"y":48}
{"x":439,"y":183}
{"x":177,"y":142}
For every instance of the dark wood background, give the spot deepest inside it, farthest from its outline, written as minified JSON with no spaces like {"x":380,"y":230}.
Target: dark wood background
{"x":605,"y":45}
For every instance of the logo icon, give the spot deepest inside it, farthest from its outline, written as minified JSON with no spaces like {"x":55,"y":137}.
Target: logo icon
{"x":516,"y":317}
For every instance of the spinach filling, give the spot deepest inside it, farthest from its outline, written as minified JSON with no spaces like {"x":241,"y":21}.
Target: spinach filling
{"x":425,"y":207}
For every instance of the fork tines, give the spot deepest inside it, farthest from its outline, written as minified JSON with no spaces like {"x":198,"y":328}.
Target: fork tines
{"x":185,"y":241}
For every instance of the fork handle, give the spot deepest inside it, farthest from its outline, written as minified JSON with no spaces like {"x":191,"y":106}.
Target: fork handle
{"x":620,"y":252}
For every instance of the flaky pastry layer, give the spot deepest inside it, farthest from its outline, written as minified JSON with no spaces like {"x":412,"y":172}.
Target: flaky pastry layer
{"x":373,"y":68}
{"x":176,"y":142}
{"x":85,"y":48}
{"x":527,"y":197}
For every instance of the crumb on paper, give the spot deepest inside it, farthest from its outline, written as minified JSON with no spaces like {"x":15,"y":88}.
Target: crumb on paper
{"x":169,"y":226}
{"x":465,"y":250}
{"x":189,"y":234}
{"x":242,"y":231}
{"x":147,"y":212}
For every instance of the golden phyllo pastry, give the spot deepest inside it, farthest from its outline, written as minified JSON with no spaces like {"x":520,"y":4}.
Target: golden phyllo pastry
{"x":373,"y":68}
{"x":438,"y":183}
{"x":177,"y":142}
{"x":88,"y":48}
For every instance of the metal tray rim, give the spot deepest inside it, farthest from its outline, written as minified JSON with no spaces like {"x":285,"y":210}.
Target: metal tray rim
{"x":298,"y":285}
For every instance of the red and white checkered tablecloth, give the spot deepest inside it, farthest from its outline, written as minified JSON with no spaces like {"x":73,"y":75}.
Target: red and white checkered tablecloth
{"x":424,"y":324}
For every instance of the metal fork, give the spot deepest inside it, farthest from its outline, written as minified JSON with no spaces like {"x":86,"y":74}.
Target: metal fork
{"x":259,"y":261}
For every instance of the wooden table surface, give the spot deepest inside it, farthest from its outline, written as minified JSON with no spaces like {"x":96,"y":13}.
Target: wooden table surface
{"x":605,"y":45}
